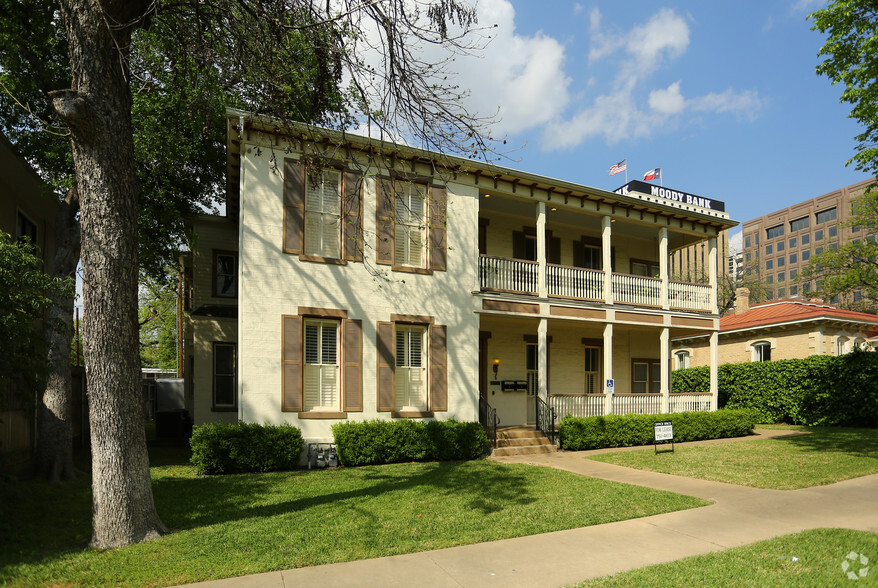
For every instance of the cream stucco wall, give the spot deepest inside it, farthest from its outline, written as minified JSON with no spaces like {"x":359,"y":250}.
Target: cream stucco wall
{"x":273,"y":284}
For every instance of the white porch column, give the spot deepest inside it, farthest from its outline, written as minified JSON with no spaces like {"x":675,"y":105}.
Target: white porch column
{"x":608,"y":366}
{"x":663,"y":265}
{"x":664,"y":358}
{"x":542,"y":359}
{"x":607,"y":258}
{"x":711,"y":264}
{"x":714,"y":370}
{"x":541,"y":249}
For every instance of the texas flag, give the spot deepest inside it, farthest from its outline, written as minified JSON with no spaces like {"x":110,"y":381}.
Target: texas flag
{"x":653,"y":174}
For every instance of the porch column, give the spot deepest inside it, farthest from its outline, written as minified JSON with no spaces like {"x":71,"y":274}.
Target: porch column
{"x":714,"y":370}
{"x":664,"y":358}
{"x":663,"y":265}
{"x":608,"y":367}
{"x":541,"y":250}
{"x":607,"y":258}
{"x":542,"y":356}
{"x":711,"y":264}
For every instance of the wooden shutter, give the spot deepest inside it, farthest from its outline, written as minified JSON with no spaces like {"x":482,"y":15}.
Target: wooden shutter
{"x":438,"y":368}
{"x":578,"y":254}
{"x":351,"y":216}
{"x":519,"y":247}
{"x":384,"y":223}
{"x":553,"y":249}
{"x":438,"y":220}
{"x":294,"y":206}
{"x":386,"y":366}
{"x":353,"y":365}
{"x":291,"y":397}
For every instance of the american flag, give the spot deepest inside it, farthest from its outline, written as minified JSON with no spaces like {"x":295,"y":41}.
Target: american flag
{"x":619,"y":167}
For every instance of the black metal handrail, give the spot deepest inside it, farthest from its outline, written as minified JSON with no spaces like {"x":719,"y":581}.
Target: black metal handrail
{"x":488,"y":419}
{"x":546,"y":419}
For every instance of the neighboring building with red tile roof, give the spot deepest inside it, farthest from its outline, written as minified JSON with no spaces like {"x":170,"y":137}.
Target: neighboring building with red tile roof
{"x":781,"y":329}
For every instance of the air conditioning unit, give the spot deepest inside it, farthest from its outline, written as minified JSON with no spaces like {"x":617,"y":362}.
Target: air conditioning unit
{"x":322,"y":455}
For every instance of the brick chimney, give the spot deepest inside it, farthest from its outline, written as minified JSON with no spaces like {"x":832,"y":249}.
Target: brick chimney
{"x":742,"y":300}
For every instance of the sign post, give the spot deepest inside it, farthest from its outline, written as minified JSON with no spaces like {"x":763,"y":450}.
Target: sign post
{"x":664,"y":431}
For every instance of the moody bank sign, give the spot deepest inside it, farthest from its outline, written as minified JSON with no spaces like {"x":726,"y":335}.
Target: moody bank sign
{"x":672,"y":195}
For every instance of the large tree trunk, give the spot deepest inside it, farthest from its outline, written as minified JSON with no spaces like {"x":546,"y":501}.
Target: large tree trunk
{"x":53,"y":459}
{"x":98,"y":111}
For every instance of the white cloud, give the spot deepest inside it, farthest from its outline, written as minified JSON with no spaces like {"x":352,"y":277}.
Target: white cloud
{"x":806,"y":6}
{"x":635,"y":56}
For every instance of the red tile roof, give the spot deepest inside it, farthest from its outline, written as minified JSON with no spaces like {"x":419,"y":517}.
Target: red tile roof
{"x":785,"y":311}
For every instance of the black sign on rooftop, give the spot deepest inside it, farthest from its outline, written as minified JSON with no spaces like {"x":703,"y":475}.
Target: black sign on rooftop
{"x":671,"y":195}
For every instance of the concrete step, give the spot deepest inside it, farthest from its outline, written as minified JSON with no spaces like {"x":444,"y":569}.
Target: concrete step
{"x":522,"y":441}
{"x":524,"y":450}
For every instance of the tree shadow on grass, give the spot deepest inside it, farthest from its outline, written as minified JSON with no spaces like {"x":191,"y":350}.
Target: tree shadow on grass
{"x":193,"y":502}
{"x":842,"y":440}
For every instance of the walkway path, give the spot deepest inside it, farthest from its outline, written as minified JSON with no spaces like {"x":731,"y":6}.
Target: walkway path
{"x":739,"y":516}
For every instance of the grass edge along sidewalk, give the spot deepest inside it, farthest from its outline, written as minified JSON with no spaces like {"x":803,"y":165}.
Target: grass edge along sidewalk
{"x":245,"y":524}
{"x":822,"y":456}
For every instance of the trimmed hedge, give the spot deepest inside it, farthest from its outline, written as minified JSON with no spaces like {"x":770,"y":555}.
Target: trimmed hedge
{"x":580,"y":433}
{"x":379,"y":442}
{"x":816,"y":390}
{"x":222,"y":448}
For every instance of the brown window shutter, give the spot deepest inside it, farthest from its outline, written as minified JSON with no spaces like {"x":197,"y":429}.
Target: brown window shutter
{"x":386,"y":366}
{"x":553,"y":249}
{"x":294,"y":206}
{"x":438,"y":368}
{"x":353,"y":365}
{"x":384,"y":223}
{"x":353,"y":220}
{"x":438,"y":222}
{"x":291,"y":400}
{"x":518,"y":245}
{"x":578,"y":254}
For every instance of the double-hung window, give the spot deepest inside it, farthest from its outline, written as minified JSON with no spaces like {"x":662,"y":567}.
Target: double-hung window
{"x":411,"y":368}
{"x":592,"y":370}
{"x":410,"y":224}
{"x":224,"y":376}
{"x":682,"y":359}
{"x":323,"y":214}
{"x":761,"y":351}
{"x":225,"y":274}
{"x":321,"y":377}
{"x":646,"y":376}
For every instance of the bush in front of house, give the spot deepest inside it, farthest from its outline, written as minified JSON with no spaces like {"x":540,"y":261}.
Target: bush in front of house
{"x":816,"y":390}
{"x":222,"y":448}
{"x":630,"y":430}
{"x":378,"y":442}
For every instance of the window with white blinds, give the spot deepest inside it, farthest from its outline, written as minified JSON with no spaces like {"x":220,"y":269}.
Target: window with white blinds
{"x":411,"y":368}
{"x":410,"y":224}
{"x":321,"y":382}
{"x":323,"y":215}
{"x":592,"y":370}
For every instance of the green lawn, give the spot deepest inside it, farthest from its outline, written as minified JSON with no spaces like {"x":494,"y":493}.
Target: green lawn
{"x":823,"y":456}
{"x":235,"y":525}
{"x":810,"y":558}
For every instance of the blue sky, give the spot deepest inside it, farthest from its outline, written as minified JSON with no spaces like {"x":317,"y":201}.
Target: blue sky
{"x":722,"y":96}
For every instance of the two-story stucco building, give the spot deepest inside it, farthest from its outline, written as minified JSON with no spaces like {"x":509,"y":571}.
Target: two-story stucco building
{"x":358,"y":279}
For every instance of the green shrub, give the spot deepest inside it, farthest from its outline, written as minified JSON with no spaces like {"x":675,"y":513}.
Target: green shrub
{"x":379,"y":442}
{"x":578,"y":433}
{"x":816,"y":390}
{"x":222,"y":448}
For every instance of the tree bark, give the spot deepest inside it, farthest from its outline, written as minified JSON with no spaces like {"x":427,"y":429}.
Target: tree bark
{"x":98,"y":111}
{"x":53,"y":459}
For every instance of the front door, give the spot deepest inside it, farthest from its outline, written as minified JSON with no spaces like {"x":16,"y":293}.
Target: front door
{"x":533,"y":383}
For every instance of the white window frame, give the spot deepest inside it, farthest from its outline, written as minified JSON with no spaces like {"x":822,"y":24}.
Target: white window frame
{"x":232,"y":290}
{"x":758,"y":349}
{"x":683,"y":359}
{"x":410,"y":225}
{"x":323,"y":212}
{"x":411,"y":392}
{"x":321,"y":384}
{"x":842,"y":345}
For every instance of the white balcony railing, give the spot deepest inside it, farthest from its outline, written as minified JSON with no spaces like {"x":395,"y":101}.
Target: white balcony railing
{"x":508,"y":275}
{"x":690,"y":402}
{"x":520,"y":276}
{"x":575,"y":282}
{"x":637,"y":403}
{"x":690,"y":296}
{"x":638,"y":290}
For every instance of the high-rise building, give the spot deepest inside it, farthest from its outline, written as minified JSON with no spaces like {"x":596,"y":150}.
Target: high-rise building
{"x":779,"y":245}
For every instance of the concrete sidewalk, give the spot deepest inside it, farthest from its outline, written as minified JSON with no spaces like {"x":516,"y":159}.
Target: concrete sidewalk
{"x":739,"y":516}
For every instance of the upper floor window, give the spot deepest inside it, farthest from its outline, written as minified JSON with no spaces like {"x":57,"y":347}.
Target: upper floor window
{"x":762,"y":351}
{"x":800,"y":223}
{"x":806,"y":238}
{"x":825,"y":215}
{"x":225,"y":274}
{"x":323,"y":214}
{"x":747,"y":241}
{"x":794,"y":257}
{"x":25,"y":229}
{"x":769,"y":249}
{"x":780,"y":246}
{"x":645,"y":268}
{"x":410,"y":224}
{"x":774,"y":232}
{"x":833,"y":231}
{"x":792,"y":242}
{"x":818,"y":235}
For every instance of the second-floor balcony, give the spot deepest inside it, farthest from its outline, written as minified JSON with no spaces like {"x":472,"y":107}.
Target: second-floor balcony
{"x":502,"y":274}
